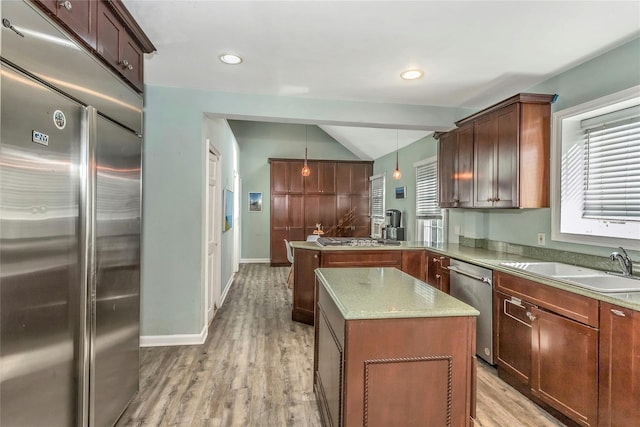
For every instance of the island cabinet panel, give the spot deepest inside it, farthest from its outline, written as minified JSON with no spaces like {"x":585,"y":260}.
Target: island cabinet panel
{"x":392,"y":378}
{"x":329,"y":358}
{"x":413,"y":263}
{"x":619,"y":366}
{"x":305,"y":263}
{"x":564,"y":371}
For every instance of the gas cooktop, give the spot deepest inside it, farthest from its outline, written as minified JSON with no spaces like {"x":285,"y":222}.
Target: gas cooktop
{"x":355,"y":241}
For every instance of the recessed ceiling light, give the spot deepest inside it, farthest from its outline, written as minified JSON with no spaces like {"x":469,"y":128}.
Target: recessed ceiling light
{"x":412,"y":74}
{"x":231,"y":59}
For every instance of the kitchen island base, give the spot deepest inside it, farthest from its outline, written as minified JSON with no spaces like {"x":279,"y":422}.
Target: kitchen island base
{"x":413,"y":371}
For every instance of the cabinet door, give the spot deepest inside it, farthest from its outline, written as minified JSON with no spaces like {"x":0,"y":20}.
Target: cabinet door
{"x":464,"y":166}
{"x":279,"y":228}
{"x":506,"y":147}
{"x":295,"y":180}
{"x":344,"y":176}
{"x":322,"y":178}
{"x":619,"y":373}
{"x":513,"y":336}
{"x":279,"y":177}
{"x":564,"y":370}
{"x":79,"y":15}
{"x":305,"y":261}
{"x":484,"y":161}
{"x":117,"y":47}
{"x":132,"y":62}
{"x":442,"y":275}
{"x":320,"y":209}
{"x":413,"y":263}
{"x":447,"y":159}
{"x":110,"y":35}
{"x":295,"y":207}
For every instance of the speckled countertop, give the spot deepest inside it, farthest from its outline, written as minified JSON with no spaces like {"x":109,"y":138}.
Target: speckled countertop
{"x":491,"y":259}
{"x":382,"y":293}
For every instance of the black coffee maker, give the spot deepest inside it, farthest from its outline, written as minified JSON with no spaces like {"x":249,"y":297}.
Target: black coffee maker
{"x":392,"y":228}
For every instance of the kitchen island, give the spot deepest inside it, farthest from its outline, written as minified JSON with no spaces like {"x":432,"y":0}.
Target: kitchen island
{"x":391,"y":350}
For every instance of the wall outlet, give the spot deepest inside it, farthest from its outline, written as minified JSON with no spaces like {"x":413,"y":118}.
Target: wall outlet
{"x":542,"y":239}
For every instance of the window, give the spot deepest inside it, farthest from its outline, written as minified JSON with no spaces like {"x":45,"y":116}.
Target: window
{"x":429,"y":216}
{"x":376,"y":204}
{"x":597,"y":198}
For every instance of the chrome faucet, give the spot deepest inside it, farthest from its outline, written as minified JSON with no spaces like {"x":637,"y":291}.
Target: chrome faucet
{"x":625,"y":262}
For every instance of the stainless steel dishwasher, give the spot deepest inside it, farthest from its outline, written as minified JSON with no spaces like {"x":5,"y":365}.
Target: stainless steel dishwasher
{"x":473,"y":285}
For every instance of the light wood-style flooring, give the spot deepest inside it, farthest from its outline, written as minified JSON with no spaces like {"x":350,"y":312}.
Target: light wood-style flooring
{"x":255,"y":369}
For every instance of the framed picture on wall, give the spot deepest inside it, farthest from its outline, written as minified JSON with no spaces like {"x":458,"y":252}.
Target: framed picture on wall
{"x":401,"y":192}
{"x":228,"y":209}
{"x":255,"y":202}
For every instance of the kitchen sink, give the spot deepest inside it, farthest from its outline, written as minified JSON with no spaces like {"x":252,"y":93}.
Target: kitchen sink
{"x":553,"y":269}
{"x":583,"y":277}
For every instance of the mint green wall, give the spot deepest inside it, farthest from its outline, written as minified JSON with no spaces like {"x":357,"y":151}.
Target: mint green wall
{"x":221,"y":136}
{"x":407,"y":156}
{"x":609,"y":73}
{"x":258,"y":141}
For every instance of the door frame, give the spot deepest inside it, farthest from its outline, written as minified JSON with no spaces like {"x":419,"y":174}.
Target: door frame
{"x":208,"y":312}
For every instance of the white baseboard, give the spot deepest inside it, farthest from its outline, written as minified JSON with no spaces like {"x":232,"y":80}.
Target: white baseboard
{"x":226,"y":290}
{"x":169,"y":340}
{"x":254,"y":260}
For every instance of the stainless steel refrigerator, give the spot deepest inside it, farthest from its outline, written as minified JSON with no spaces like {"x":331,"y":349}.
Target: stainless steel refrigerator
{"x":70,"y":175}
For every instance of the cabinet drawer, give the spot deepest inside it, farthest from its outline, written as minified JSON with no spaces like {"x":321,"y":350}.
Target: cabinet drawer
{"x":573,"y":306}
{"x":362,"y":259}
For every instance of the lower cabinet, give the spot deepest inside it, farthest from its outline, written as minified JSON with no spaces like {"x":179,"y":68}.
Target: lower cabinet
{"x":305,"y":263}
{"x":547,"y":346}
{"x":437,"y":271}
{"x":619,"y":367}
{"x":513,"y":336}
{"x":564,"y":368}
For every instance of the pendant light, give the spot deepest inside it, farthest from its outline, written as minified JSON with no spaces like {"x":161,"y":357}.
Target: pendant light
{"x":396,"y":173}
{"x":305,"y":169}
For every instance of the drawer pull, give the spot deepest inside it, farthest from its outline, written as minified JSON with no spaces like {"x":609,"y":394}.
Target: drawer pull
{"x":618,"y":313}
{"x":516,"y":302}
{"x":66,"y":4}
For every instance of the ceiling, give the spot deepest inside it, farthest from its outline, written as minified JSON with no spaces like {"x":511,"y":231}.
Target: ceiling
{"x":473,"y":53}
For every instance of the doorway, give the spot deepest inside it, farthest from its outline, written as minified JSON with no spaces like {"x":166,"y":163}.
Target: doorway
{"x":214,"y":216}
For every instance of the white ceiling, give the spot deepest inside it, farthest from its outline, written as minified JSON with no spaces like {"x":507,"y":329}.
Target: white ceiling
{"x":474,"y":53}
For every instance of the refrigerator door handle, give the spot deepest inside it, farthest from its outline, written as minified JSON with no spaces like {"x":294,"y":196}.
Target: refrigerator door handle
{"x":87,"y":236}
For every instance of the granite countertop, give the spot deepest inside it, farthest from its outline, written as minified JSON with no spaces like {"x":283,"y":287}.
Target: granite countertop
{"x":490,"y":259}
{"x":383,"y":293}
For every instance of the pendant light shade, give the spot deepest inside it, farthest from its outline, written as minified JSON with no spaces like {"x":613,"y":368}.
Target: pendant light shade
{"x":396,"y":173}
{"x":305,"y":169}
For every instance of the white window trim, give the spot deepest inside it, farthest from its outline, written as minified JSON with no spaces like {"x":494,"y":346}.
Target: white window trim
{"x":630,"y":95}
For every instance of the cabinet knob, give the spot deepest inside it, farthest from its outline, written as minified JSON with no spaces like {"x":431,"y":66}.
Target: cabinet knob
{"x":531,"y":316}
{"x":490,"y":199}
{"x":316,"y":256}
{"x":124,"y":63}
{"x":497,"y":199}
{"x":66,"y":4}
{"x":618,"y":313}
{"x":435,"y":260}
{"x":437,"y":276}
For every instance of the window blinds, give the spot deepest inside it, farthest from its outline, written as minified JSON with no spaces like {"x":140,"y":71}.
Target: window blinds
{"x":612,"y":166}
{"x":427,"y":190}
{"x":376,"y":202}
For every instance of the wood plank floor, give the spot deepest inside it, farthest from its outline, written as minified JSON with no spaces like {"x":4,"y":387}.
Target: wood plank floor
{"x":255,"y":369}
